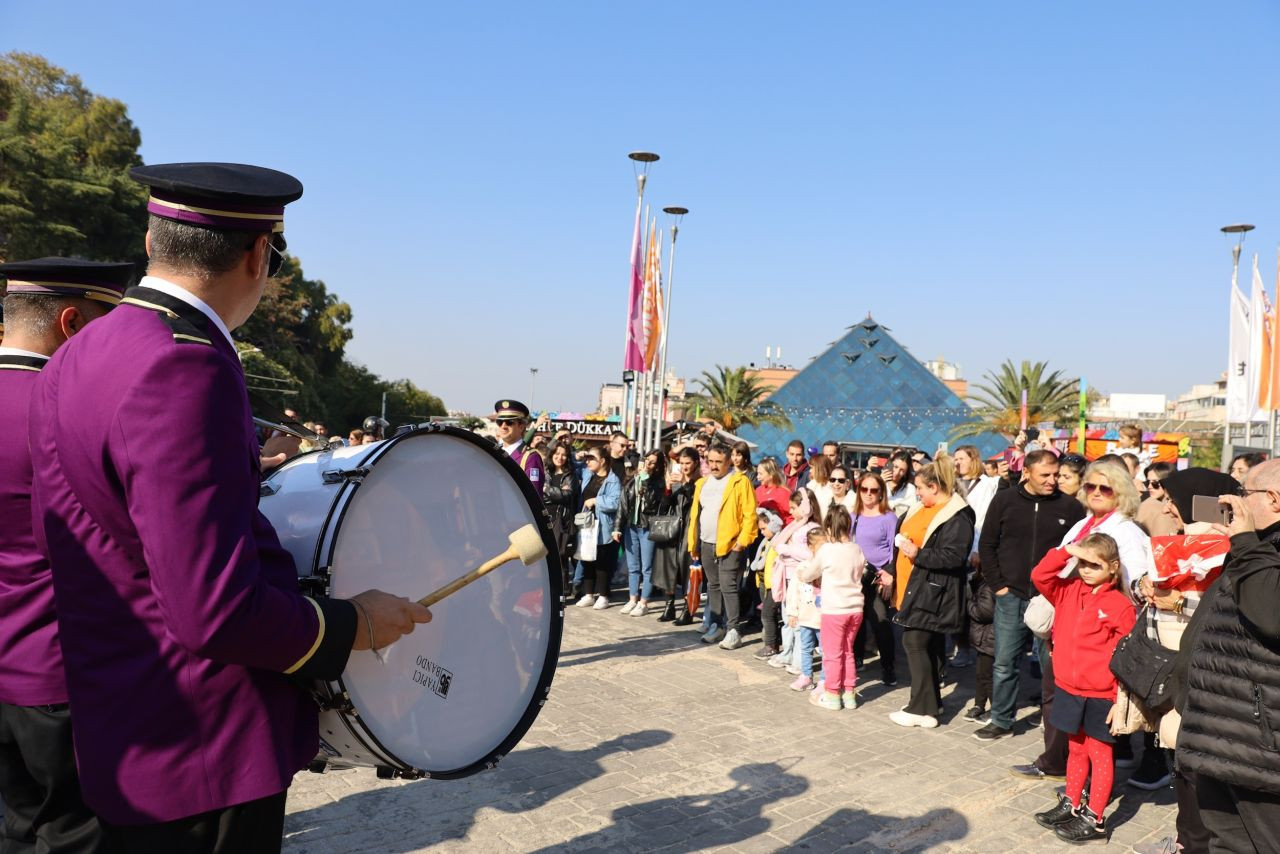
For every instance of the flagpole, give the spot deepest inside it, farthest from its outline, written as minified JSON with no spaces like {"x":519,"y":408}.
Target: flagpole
{"x":643,"y":158}
{"x":677,"y":214}
{"x":1241,"y":229}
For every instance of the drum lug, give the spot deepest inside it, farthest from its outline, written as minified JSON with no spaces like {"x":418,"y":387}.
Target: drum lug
{"x":267,"y":488}
{"x":318,"y":766}
{"x":315,"y":585}
{"x":344,"y":475}
{"x":340,"y":704}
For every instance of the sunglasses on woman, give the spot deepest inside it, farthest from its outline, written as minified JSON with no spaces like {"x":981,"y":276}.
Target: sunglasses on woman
{"x":869,"y":490}
{"x":1099,"y":487}
{"x":838,"y":479}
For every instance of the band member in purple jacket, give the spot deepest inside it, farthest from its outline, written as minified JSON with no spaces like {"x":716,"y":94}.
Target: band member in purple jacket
{"x":513,"y":417}
{"x":48,"y":301}
{"x":185,"y":639}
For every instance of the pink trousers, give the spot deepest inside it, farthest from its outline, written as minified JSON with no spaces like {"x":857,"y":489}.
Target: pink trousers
{"x":838,"y":670}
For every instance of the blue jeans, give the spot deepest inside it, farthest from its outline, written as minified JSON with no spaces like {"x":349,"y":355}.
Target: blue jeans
{"x":808,"y":640}
{"x":639,"y":551}
{"x":1012,"y":639}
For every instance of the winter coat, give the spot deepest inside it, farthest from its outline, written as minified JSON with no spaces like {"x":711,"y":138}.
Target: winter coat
{"x":641,"y":498}
{"x":608,"y":500}
{"x":1135,"y":546}
{"x":1088,"y":622}
{"x":1020,"y":529}
{"x":1231,"y":656}
{"x":562,"y":495}
{"x":671,"y":561}
{"x":736,"y":522}
{"x":936,"y":589}
{"x":982,"y":616}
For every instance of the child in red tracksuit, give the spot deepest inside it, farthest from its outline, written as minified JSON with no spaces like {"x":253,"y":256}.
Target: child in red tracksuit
{"x":1090,"y":617}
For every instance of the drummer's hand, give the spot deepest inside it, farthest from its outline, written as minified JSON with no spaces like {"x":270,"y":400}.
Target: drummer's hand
{"x":266,"y":464}
{"x":392,"y":618}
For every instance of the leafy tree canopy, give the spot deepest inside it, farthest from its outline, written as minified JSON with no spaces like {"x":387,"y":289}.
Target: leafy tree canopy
{"x":998,"y":398}
{"x":65,"y":155}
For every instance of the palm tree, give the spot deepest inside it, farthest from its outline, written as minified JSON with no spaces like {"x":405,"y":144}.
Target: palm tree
{"x":734,"y":399}
{"x":1050,"y":397}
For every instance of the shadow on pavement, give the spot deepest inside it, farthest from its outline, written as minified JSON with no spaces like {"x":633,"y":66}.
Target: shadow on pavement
{"x":430,"y":811}
{"x":851,"y":829}
{"x":642,"y":646}
{"x":695,"y":822}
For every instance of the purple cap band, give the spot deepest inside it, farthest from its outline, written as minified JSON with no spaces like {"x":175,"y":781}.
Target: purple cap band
{"x":228,"y":216}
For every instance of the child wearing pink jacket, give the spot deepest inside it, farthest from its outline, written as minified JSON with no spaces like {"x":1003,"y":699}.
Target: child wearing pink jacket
{"x":837,"y":568}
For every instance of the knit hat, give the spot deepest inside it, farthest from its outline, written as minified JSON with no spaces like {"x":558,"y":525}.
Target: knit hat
{"x":771,"y":520}
{"x":1182,"y":485}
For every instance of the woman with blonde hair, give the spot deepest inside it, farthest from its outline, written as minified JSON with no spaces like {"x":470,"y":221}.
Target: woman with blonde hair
{"x":1111,"y":499}
{"x":933,"y":567}
{"x":820,"y":482}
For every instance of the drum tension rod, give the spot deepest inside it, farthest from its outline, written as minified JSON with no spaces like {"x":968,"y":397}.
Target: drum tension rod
{"x":342,"y":475}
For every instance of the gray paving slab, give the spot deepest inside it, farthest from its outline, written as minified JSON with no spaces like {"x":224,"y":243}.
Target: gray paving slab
{"x":651,"y":741}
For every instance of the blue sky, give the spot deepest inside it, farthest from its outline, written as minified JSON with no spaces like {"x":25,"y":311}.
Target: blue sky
{"x":991,"y":180}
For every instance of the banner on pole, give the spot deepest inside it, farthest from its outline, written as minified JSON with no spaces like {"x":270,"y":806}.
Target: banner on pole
{"x":633,"y":359}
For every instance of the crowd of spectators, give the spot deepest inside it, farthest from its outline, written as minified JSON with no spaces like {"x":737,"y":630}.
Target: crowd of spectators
{"x":1035,"y":564}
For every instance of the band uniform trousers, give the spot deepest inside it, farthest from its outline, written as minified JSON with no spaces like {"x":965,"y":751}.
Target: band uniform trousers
{"x":43,"y":807}
{"x":255,"y":827}
{"x":724,"y":576}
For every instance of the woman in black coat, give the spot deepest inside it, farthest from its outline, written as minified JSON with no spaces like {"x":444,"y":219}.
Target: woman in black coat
{"x":937,"y":570}
{"x":561,"y":495}
{"x":671,"y":560}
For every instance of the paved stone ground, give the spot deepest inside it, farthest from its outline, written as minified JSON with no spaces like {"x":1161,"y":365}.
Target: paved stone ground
{"x":653,"y":741}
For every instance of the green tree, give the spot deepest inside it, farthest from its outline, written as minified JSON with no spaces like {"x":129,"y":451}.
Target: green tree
{"x":65,"y":155}
{"x":735,"y":399}
{"x":1050,"y":397}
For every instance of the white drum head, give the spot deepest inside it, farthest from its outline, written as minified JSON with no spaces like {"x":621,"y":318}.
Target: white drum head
{"x":434,"y":507}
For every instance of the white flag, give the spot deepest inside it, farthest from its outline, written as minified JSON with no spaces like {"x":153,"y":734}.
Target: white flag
{"x":1238,"y":373}
{"x":1257,"y":330}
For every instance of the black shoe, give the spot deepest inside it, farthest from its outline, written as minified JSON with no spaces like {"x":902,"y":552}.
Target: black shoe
{"x":766,"y":653}
{"x":1058,"y":816}
{"x":685,"y":619}
{"x":977,"y":714}
{"x":1085,"y":826}
{"x":888,"y":678}
{"x":1153,"y":773}
{"x":991,"y":732}
{"x":1032,"y":771}
{"x":668,"y":613}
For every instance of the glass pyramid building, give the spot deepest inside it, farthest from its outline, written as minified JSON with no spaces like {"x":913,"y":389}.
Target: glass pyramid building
{"x":867,"y":388}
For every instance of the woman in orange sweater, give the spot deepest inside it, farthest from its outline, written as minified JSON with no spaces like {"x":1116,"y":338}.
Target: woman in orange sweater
{"x":1091,"y":615}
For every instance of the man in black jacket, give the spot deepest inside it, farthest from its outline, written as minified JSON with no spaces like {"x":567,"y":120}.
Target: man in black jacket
{"x":1230,"y":734}
{"x":1022,"y":524}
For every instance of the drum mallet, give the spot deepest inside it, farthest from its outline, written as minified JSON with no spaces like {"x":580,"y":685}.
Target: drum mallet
{"x":526,"y":544}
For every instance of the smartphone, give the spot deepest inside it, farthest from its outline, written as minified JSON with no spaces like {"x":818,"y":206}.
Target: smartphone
{"x":1205,"y":508}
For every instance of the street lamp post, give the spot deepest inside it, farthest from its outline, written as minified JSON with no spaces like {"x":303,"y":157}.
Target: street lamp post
{"x":533,"y":381}
{"x":677,"y":215}
{"x":1241,"y":229}
{"x":641,"y":161}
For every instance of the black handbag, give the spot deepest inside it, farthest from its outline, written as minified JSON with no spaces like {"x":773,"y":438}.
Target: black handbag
{"x":664,"y":530}
{"x":1143,"y":665}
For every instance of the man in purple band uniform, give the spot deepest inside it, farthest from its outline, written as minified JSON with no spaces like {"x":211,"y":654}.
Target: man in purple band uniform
{"x":48,"y":301}
{"x":184,"y":636}
{"x":513,"y":417}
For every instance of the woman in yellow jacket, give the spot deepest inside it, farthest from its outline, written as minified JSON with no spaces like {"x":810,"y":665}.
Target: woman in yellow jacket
{"x":722,"y":524}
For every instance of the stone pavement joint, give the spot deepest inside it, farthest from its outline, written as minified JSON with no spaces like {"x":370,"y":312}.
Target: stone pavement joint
{"x":651,"y":741}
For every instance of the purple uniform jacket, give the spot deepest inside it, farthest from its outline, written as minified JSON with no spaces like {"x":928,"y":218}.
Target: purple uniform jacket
{"x":30,"y":660}
{"x":178,"y":609}
{"x":531,"y":463}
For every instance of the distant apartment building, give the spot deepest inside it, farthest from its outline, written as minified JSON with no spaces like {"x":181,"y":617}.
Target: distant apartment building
{"x":1204,"y":402}
{"x":1126,"y":406}
{"x":951,"y":376}
{"x":772,"y":377}
{"x":612,"y":398}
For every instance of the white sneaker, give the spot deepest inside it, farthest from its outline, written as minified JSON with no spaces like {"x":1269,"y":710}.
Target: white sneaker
{"x":908,"y":719}
{"x":626,"y":609}
{"x":641,"y":608}
{"x":585,"y":601}
{"x":602,"y":602}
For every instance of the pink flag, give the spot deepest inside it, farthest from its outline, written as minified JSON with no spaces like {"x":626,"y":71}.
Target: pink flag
{"x":633,"y":357}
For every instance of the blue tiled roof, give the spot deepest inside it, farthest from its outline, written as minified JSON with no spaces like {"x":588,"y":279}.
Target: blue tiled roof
{"x":867,"y":388}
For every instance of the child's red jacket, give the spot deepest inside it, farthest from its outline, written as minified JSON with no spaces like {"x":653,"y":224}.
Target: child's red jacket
{"x":1088,"y":622}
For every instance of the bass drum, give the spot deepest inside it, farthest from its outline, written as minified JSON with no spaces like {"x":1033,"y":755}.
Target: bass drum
{"x":408,"y":515}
